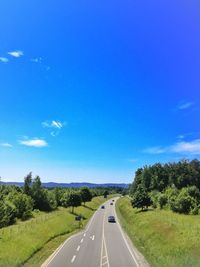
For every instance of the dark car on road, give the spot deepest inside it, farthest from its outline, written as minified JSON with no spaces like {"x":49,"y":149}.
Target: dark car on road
{"x":111,"y":219}
{"x":111,"y":203}
{"x":103,"y":207}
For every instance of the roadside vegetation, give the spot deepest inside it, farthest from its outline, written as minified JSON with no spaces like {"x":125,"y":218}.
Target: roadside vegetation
{"x":174,"y":186}
{"x":160,"y":214}
{"x":165,"y":238}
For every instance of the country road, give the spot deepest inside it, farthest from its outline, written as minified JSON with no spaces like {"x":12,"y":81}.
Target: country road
{"x":102,"y":244}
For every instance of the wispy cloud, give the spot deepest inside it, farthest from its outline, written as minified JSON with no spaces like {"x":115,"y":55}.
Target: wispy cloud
{"x":155,"y":150}
{"x":33,"y":142}
{"x":185,"y":105}
{"x":53,"y":124}
{"x":4,"y":59}
{"x":36,"y":60}
{"x":181,"y":147}
{"x":133,"y":160}
{"x":6,"y":145}
{"x":17,"y":53}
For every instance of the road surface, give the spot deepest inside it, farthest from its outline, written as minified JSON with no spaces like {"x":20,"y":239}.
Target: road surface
{"x":102,"y":244}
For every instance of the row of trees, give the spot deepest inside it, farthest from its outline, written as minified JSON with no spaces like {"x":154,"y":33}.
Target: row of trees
{"x":174,"y":185}
{"x":19,"y":202}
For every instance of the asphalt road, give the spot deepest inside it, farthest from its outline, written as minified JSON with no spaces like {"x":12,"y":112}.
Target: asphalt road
{"x":102,"y":244}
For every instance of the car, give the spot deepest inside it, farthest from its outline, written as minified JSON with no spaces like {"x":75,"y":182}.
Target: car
{"x":103,"y":207}
{"x":111,"y":203}
{"x":111,"y":219}
{"x":113,"y":200}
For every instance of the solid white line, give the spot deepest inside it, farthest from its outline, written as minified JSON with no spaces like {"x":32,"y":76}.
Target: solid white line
{"x":78,"y":248}
{"x":82,"y":240}
{"x":129,"y":249}
{"x":73,"y":259}
{"x":104,"y":245}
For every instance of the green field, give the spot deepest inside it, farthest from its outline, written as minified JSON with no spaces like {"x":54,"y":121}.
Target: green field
{"x":41,"y":235}
{"x":165,"y":238}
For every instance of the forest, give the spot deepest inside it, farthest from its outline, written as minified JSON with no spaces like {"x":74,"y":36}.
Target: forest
{"x":174,"y":186}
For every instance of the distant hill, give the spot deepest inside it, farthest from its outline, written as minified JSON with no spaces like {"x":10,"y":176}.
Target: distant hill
{"x":72,"y":185}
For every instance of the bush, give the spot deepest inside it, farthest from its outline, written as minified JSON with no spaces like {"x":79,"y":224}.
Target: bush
{"x":23,"y":204}
{"x":7,"y":213}
{"x":183,"y":203}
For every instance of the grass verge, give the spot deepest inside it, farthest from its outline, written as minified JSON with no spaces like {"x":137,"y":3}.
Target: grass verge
{"x":29,"y":243}
{"x":165,"y":238}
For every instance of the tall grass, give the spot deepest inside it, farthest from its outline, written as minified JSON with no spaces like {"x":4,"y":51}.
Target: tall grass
{"x":20,"y":241}
{"x":165,"y":238}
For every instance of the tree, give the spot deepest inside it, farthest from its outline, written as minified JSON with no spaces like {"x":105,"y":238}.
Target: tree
{"x":72,"y":199}
{"x":105,"y":193}
{"x":141,"y":198}
{"x":86,"y":195}
{"x":27,"y":184}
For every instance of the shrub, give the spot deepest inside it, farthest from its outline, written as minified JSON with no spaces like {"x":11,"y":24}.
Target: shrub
{"x":183,"y":203}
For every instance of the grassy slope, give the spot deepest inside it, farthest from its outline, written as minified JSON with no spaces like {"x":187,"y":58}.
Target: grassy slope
{"x":46,"y":230}
{"x":165,"y":238}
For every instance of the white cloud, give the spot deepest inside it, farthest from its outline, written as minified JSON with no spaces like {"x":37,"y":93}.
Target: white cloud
{"x":6,"y":145}
{"x":17,"y":53}
{"x":181,"y":147}
{"x":4,"y":59}
{"x":185,"y":105}
{"x":34,"y":142}
{"x":192,"y":147}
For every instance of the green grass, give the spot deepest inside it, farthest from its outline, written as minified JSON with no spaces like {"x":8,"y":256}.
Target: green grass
{"x":166,"y":239}
{"x":41,"y":235}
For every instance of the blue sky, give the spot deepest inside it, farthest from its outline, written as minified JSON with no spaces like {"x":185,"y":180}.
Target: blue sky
{"x":92,"y":90}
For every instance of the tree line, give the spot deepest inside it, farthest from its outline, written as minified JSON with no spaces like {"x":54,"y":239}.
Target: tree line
{"x":174,"y":186}
{"x":19,"y":202}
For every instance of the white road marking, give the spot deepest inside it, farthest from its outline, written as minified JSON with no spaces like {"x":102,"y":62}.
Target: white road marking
{"x":82,"y":240}
{"x":105,"y":263}
{"x":129,"y":249}
{"x":78,"y":248}
{"x":73,"y":259}
{"x":84,"y":234}
{"x":92,"y":237}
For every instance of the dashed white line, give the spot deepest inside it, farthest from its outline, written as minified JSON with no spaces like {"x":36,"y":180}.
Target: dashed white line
{"x":73,"y":259}
{"x":82,"y":240}
{"x":84,"y":234}
{"x":92,"y":237}
{"x":78,"y":248}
